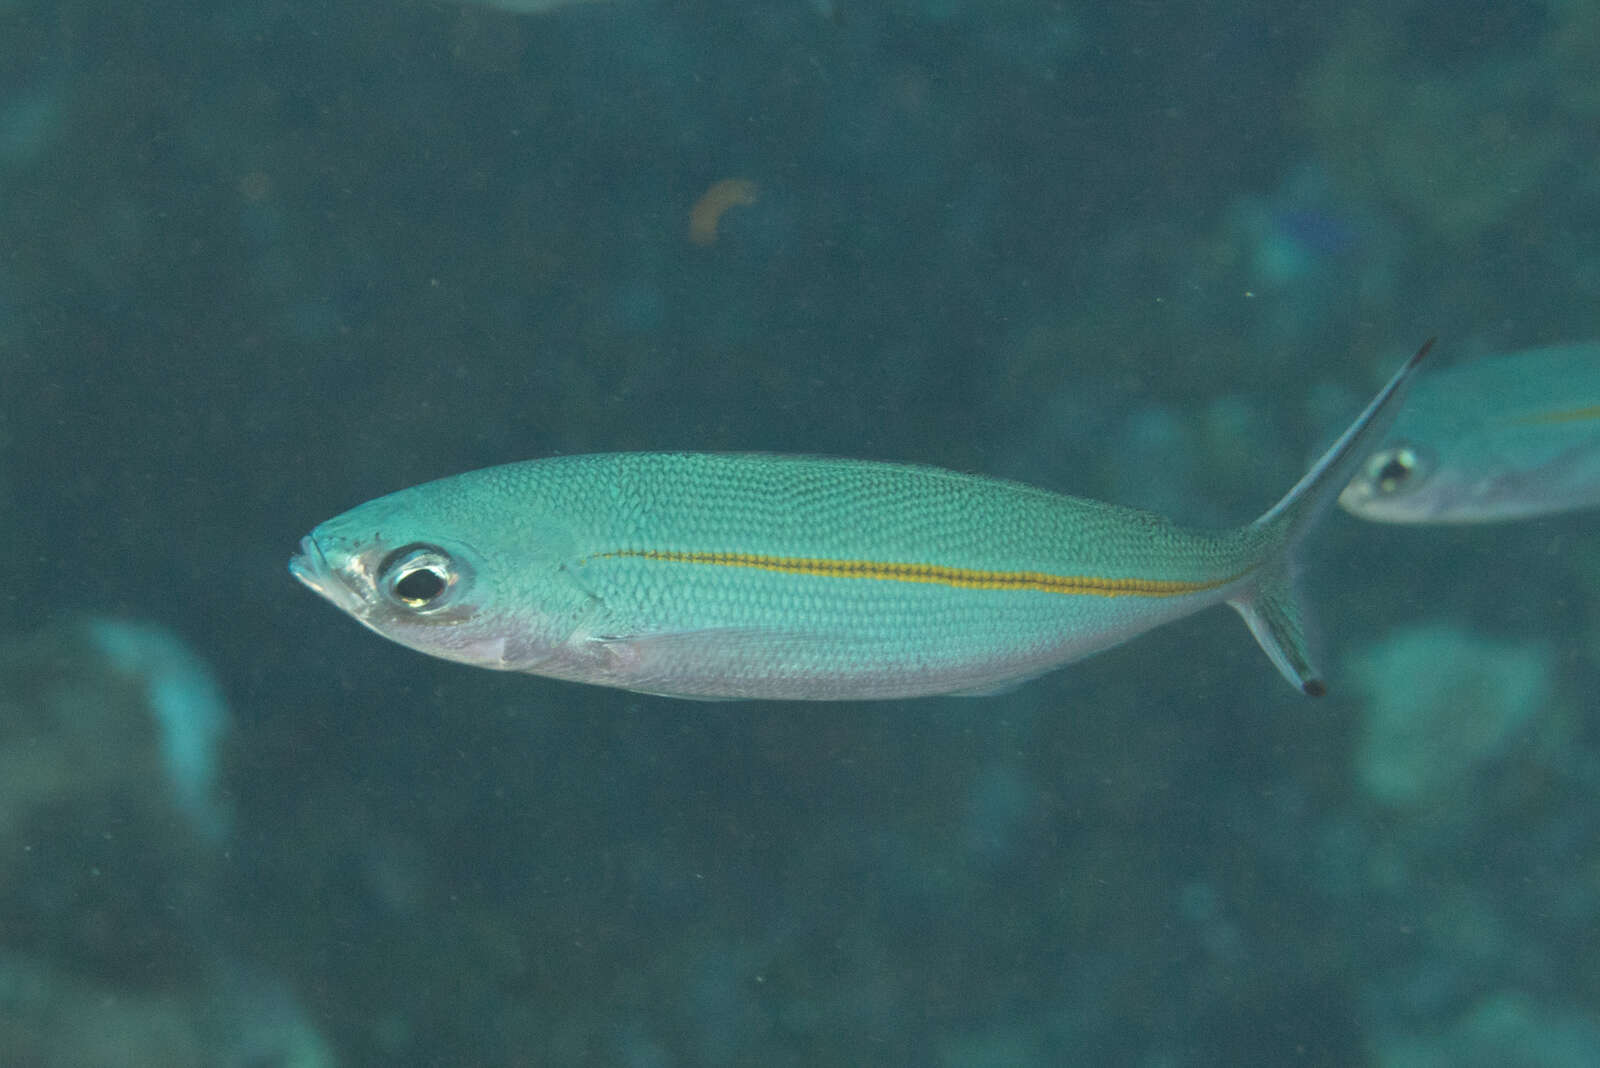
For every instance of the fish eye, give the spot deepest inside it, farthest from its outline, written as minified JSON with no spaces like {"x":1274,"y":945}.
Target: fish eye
{"x":1392,"y":468}
{"x":418,"y":577}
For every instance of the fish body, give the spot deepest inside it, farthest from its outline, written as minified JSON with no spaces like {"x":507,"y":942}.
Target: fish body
{"x":760,"y":576}
{"x":1501,"y":438}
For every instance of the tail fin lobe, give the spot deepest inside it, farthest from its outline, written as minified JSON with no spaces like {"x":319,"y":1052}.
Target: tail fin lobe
{"x":1274,"y":612}
{"x":1320,"y":487}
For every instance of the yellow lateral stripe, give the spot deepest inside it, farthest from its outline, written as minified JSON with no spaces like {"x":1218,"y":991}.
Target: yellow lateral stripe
{"x":1573,"y":415}
{"x":936,"y":574}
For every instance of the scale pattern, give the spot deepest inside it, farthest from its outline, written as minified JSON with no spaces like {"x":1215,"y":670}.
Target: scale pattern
{"x":756,"y":575}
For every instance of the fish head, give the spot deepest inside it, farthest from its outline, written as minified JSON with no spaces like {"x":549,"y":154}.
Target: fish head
{"x":1399,"y":483}
{"x":441,"y":581}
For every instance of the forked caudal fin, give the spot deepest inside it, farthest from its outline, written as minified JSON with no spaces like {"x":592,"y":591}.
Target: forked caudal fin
{"x":1271,"y":604}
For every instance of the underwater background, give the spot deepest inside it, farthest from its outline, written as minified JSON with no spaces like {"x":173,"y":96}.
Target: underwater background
{"x":262,"y":260}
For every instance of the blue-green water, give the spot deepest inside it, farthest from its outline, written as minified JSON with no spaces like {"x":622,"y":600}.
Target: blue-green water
{"x":262,"y":261}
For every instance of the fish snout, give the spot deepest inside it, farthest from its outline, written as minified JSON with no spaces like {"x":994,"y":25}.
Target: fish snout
{"x":310,"y":566}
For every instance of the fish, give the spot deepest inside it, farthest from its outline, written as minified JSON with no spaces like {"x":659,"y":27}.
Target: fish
{"x":1506,"y":437}
{"x":754,"y":576}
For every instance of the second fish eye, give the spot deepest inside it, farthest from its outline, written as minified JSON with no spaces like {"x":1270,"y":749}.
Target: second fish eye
{"x":1393,"y":468}
{"x":418,"y":577}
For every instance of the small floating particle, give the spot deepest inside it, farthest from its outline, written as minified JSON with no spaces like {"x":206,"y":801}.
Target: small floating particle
{"x":707,"y":211}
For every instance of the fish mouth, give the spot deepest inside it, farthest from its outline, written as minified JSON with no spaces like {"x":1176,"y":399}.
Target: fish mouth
{"x":300,"y":564}
{"x":310,"y":566}
{"x":334,"y":583}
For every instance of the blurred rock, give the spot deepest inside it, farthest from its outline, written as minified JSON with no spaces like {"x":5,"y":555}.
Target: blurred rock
{"x":1459,"y":147}
{"x":1442,"y":703}
{"x":1505,"y":1028}
{"x":109,"y":819}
